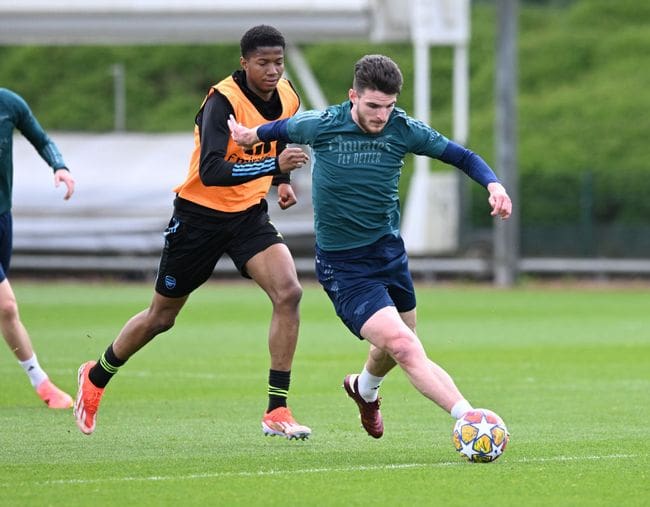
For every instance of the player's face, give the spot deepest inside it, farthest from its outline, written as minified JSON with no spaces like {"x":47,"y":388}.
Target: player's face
{"x":264,"y":68}
{"x":371,"y":109}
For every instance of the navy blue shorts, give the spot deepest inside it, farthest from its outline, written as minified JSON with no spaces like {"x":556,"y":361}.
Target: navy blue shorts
{"x":361,"y":281}
{"x":6,"y":243}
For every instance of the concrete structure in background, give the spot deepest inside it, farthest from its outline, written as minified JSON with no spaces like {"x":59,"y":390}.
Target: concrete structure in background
{"x":122,"y":203}
{"x":183,"y":21}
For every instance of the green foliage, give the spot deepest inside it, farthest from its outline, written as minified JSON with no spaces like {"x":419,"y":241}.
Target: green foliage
{"x":71,"y":88}
{"x":583,"y":97}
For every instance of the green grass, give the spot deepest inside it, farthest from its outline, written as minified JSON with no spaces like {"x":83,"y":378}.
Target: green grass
{"x":567,"y":369}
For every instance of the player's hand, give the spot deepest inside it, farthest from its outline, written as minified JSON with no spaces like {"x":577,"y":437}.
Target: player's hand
{"x":286,"y":196}
{"x":63,"y":175}
{"x":243,"y":136}
{"x":292,"y":158}
{"x":499,"y":200}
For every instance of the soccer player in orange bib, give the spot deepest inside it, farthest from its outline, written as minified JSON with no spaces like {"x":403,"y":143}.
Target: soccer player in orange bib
{"x":219,"y":209}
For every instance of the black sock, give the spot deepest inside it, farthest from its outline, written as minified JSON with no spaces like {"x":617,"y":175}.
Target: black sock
{"x":278,"y":388}
{"x":106,"y":367}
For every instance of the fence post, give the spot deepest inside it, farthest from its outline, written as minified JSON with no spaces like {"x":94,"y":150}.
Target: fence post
{"x":587,"y":213}
{"x":119,"y":96}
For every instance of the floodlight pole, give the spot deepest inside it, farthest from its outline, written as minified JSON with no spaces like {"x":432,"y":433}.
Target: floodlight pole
{"x":506,"y":233}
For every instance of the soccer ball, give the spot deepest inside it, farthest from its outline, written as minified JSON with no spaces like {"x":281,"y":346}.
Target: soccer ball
{"x":480,"y":436}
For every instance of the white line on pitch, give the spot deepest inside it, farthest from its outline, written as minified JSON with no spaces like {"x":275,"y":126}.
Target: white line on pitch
{"x":263,"y":473}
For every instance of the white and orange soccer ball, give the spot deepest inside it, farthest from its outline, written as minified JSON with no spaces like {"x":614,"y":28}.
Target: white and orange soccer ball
{"x":480,"y":436}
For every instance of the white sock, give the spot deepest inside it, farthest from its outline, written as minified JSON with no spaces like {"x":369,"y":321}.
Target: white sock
{"x":460,"y":408}
{"x":33,"y":370}
{"x":369,"y":385}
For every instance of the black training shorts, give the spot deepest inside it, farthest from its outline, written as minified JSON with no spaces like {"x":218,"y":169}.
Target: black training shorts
{"x":195,"y":242}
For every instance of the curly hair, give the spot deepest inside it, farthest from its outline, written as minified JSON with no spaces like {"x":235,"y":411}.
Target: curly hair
{"x":260,"y":36}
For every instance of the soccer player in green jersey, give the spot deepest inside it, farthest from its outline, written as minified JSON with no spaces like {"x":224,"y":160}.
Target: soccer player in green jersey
{"x":361,"y":262}
{"x":16,"y":114}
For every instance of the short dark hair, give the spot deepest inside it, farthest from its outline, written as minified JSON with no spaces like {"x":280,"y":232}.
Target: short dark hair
{"x":377,"y":72}
{"x":260,"y":36}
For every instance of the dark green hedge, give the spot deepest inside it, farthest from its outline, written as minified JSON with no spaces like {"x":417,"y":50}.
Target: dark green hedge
{"x":577,"y":196}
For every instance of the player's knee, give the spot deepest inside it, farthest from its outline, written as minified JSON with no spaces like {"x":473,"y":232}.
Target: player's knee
{"x":8,"y":309}
{"x":403,"y":347}
{"x":289,"y":295}
{"x":160,"y":323}
{"x":164,"y":325}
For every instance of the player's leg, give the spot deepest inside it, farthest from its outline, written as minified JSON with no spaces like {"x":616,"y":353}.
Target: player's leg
{"x":183,"y":267}
{"x":18,"y":340}
{"x":135,"y":334}
{"x":387,"y":331}
{"x":379,"y":363}
{"x":409,"y":318}
{"x":146,"y":325}
{"x":356,"y":294}
{"x":259,"y":252}
{"x":274,"y":271}
{"x":377,"y":366}
{"x":14,"y":331}
{"x":364,"y":387}
{"x":93,"y":376}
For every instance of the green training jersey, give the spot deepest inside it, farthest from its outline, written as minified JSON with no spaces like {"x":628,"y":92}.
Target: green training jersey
{"x":355,"y":175}
{"x":15,"y":114}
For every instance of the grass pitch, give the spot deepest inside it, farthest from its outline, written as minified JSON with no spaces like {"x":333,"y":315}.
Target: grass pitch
{"x":567,"y":368}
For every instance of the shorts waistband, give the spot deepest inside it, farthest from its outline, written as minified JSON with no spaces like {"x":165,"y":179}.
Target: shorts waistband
{"x":386,"y":241}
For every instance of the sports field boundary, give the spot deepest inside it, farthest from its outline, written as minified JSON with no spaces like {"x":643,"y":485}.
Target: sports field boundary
{"x":420,"y":267}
